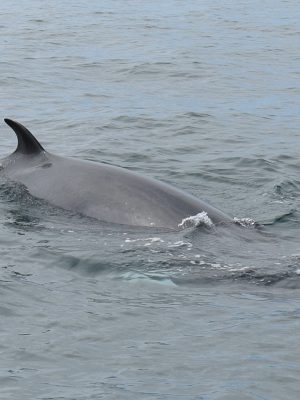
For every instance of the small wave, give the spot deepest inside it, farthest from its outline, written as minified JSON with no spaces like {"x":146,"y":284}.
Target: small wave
{"x":134,"y":276}
{"x":287,"y":217}
{"x":200,"y":219}
{"x":148,"y":241}
{"x":287,"y":190}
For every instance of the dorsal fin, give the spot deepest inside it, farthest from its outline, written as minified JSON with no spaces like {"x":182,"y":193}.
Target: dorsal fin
{"x":27,"y":143}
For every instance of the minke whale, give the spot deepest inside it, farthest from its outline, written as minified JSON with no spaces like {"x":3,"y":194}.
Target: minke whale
{"x":102,"y":191}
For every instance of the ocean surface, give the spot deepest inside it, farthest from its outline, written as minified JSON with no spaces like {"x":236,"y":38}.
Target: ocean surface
{"x":204,"y":95}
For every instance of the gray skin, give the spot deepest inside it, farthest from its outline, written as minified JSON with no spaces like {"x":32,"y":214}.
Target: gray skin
{"x":97,"y":190}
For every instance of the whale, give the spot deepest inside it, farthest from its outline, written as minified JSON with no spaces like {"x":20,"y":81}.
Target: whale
{"x":98,"y":190}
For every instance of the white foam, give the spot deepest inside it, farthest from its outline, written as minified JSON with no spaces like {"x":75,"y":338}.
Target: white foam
{"x":246,"y":222}
{"x":196,"y":220}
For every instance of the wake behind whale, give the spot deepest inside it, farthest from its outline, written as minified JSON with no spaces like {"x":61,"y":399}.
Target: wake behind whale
{"x":102,"y":191}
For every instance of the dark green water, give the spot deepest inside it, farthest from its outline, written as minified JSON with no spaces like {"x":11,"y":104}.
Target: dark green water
{"x":205,"y":96}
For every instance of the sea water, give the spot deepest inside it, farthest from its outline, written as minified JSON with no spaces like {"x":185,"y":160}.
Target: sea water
{"x":203,"y":95}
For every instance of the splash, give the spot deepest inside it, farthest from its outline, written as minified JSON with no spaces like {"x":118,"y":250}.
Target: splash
{"x":196,"y":220}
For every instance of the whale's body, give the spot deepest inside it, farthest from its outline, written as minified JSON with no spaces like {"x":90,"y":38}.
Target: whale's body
{"x":106,"y":192}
